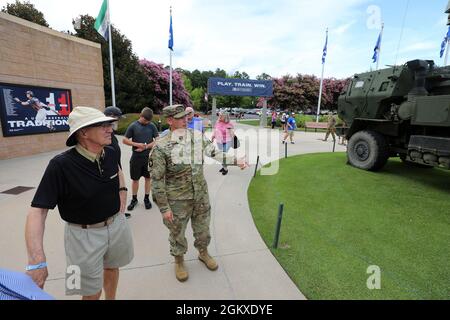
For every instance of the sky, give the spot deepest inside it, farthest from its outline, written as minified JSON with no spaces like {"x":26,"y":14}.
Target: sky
{"x":277,"y":37}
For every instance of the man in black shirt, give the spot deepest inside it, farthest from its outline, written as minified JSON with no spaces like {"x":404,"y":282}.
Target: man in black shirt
{"x":141,"y":135}
{"x":116,"y":113}
{"x":87,"y":185}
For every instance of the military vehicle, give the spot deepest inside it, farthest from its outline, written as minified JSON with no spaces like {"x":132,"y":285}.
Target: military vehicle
{"x":402,"y":111}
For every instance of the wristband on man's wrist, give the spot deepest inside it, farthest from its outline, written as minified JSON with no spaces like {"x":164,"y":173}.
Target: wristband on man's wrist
{"x":123,"y":189}
{"x":31,"y":267}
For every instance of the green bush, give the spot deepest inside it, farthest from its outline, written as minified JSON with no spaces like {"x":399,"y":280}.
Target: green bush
{"x":131,"y":117}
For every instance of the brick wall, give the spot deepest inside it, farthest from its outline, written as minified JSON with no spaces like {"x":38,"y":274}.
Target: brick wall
{"x":34,"y":55}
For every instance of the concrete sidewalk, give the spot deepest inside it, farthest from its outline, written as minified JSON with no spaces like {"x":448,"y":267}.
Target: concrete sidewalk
{"x":247,"y":269}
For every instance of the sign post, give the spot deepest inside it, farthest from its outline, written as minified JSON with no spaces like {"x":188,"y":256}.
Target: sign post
{"x":214,"y":112}
{"x":263,"y":122}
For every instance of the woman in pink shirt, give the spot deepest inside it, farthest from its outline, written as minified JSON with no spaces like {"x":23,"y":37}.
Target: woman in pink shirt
{"x":274,"y":119}
{"x":224,"y":134}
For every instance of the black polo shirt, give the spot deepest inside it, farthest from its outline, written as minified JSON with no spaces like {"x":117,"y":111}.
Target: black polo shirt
{"x":84,"y":195}
{"x":115,"y":145}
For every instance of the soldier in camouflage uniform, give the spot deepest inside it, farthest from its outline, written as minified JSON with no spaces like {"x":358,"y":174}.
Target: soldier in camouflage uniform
{"x":331,"y":127}
{"x":179,"y":187}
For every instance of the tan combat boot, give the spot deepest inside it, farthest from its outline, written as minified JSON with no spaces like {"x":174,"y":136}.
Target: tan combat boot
{"x":210,"y":263}
{"x":180,"y":271}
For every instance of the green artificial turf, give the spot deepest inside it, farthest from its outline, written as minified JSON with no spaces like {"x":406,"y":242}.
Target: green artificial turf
{"x":339,"y":220}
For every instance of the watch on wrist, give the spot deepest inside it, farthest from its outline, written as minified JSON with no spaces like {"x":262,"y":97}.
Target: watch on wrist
{"x":123,"y":189}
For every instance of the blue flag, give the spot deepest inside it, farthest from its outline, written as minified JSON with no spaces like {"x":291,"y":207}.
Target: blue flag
{"x":171,"y":32}
{"x":444,"y":42}
{"x":325,"y":49}
{"x":377,"y":48}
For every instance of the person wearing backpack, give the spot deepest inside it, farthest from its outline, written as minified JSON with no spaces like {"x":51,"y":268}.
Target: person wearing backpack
{"x":283,"y":121}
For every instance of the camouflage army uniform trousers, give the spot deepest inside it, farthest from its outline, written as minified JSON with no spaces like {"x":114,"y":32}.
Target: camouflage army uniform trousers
{"x":331,"y":131}
{"x":199,"y":212}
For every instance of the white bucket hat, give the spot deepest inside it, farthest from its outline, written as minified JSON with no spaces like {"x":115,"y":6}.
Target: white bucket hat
{"x":82,"y":117}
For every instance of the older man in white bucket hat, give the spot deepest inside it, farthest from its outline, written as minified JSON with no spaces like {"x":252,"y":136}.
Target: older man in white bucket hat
{"x":87,"y":185}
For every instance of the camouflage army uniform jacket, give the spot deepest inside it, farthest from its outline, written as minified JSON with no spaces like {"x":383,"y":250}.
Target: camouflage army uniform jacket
{"x":331,"y":122}
{"x":176,"y":167}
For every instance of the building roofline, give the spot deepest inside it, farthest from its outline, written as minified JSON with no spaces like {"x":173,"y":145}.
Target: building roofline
{"x":52,"y":32}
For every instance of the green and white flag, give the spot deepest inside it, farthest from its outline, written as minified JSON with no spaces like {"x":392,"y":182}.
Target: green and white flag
{"x":102,"y":21}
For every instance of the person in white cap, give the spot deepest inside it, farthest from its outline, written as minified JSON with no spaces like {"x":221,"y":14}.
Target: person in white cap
{"x":88,"y":186}
{"x":194,"y":122}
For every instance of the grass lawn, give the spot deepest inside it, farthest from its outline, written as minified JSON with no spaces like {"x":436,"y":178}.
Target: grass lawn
{"x":249,"y":122}
{"x":131,"y":117}
{"x":125,"y":122}
{"x":339,"y":220}
{"x":256,"y":124}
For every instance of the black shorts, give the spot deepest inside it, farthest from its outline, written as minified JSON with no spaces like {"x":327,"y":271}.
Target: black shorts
{"x":139,"y":168}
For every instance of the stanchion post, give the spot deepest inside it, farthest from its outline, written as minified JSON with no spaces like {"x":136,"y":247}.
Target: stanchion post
{"x":277,"y":230}
{"x":256,"y":167}
{"x":285,"y":149}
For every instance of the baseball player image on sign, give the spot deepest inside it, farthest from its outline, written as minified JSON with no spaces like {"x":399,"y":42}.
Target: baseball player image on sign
{"x":42,"y":109}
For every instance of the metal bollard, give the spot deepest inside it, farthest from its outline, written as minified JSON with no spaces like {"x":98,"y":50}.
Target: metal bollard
{"x":256,"y":167}
{"x":277,"y":230}
{"x":285,"y":150}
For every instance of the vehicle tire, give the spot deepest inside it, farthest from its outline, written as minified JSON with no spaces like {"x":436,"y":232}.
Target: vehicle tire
{"x":368,"y":150}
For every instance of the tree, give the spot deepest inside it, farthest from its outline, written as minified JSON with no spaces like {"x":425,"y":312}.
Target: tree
{"x":302,"y":92}
{"x":27,"y":11}
{"x":158,"y":78}
{"x":243,"y":75}
{"x":220,"y":73}
{"x":133,"y":90}
{"x":197,"y":96}
{"x":197,"y":79}
{"x":332,"y":89}
{"x":187,"y":82}
{"x":264,"y":76}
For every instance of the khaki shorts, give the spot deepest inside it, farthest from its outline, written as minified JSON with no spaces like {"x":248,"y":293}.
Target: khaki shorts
{"x":89,"y":251}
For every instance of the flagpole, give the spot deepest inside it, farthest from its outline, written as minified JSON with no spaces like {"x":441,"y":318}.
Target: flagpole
{"x":446,"y":52}
{"x":320,"y":93}
{"x":170,"y":79}
{"x":113,"y":89}
{"x":170,"y":99}
{"x":379,"y":49}
{"x":321,"y":83}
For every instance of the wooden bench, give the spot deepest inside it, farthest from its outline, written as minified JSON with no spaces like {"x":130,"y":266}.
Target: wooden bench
{"x":315,"y":125}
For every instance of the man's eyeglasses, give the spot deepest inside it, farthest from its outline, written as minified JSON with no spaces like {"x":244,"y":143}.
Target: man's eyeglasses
{"x":104,"y":125}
